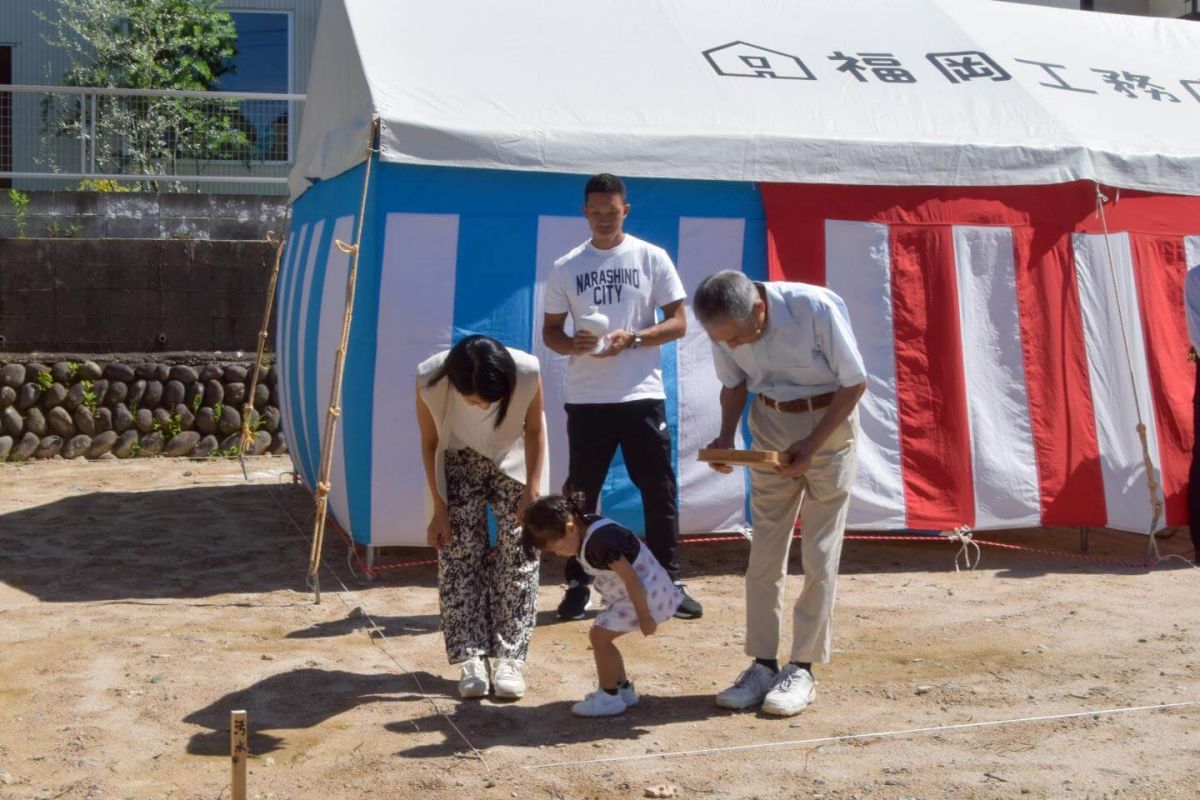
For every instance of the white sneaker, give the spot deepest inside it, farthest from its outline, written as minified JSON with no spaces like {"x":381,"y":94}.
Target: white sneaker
{"x":508,"y":679}
{"x":794,"y":689}
{"x":628,"y":695}
{"x":474,"y":678}
{"x":599,"y":704}
{"x":749,"y":689}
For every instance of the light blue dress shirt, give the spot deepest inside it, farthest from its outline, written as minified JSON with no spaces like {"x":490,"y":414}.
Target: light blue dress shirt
{"x":1191,"y":301}
{"x":807,"y":348}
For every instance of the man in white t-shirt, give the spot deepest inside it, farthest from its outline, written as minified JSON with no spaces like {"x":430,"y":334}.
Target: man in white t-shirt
{"x":615,"y":397}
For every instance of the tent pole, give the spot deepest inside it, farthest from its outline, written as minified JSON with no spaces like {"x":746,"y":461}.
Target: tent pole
{"x":321,"y":493}
{"x":247,"y":435}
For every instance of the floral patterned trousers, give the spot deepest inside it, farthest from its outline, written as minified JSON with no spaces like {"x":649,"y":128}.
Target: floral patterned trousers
{"x":488,"y":594}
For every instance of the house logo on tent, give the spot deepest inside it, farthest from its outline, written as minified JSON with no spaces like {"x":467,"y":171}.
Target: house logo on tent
{"x":744,"y":60}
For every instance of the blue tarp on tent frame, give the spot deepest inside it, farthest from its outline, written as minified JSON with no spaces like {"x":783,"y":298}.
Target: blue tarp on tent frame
{"x":447,"y":252}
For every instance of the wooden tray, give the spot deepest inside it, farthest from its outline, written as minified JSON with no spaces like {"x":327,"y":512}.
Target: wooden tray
{"x":763,"y":459}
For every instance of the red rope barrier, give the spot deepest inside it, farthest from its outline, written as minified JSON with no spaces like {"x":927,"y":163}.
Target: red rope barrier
{"x":398,"y":565}
{"x":1058,"y":553}
{"x":361,"y":565}
{"x":852,"y":537}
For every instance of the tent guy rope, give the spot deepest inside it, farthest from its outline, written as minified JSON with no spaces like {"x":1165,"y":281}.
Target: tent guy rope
{"x":859,"y":736}
{"x":377,"y":637}
{"x":248,"y":435}
{"x":1156,"y":501}
{"x":967,"y":547}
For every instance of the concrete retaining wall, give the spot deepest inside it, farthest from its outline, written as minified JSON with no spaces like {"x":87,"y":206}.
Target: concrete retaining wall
{"x":131,"y":295}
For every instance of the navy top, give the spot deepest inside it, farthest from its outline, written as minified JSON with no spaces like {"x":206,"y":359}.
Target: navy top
{"x":609,"y":543}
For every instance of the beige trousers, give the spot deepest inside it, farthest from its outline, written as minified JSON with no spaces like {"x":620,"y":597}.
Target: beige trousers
{"x":820,"y":497}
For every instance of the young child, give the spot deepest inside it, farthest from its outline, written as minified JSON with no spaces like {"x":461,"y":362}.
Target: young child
{"x":636,"y":590}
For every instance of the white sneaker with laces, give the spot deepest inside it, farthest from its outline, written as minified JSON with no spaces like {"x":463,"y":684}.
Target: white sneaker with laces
{"x":628,"y":695}
{"x":794,"y":689}
{"x":473,"y":681}
{"x":749,"y":689}
{"x":599,"y":704}
{"x":508,"y":679}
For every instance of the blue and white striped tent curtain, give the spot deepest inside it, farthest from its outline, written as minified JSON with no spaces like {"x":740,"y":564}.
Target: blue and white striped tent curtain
{"x":448,"y":252}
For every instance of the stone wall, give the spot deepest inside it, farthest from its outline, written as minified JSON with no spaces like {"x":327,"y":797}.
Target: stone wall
{"x":145,"y":215}
{"x":131,"y":295}
{"x":136,"y":406}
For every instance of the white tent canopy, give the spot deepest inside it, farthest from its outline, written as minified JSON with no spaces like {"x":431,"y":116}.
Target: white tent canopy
{"x":875,"y":92}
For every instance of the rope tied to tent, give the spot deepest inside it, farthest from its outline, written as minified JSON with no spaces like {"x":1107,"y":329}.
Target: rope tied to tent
{"x":1150,"y":479}
{"x":378,"y":637}
{"x":1156,"y":501}
{"x":966,"y":547}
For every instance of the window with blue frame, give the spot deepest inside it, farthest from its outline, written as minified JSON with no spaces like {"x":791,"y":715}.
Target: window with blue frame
{"x":263,"y":64}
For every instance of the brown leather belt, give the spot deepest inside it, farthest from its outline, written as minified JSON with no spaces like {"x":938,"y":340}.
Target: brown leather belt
{"x":798,"y":406}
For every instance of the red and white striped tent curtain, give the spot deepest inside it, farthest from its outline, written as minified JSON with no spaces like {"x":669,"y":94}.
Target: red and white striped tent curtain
{"x":1010,"y":344}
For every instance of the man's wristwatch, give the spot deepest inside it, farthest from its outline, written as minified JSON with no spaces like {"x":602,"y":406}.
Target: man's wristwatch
{"x":636,"y":342}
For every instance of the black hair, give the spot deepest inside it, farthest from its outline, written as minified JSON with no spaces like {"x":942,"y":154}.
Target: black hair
{"x":604,"y":183}
{"x":480,"y":365}
{"x":546,"y":518}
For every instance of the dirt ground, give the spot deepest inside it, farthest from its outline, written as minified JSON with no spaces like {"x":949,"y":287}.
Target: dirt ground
{"x":141,"y":601}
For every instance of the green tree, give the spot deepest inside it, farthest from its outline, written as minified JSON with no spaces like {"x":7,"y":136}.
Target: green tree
{"x":148,"y":44}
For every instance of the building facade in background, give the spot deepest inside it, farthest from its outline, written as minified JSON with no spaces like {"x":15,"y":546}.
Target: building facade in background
{"x":1178,"y":9}
{"x":275,"y":40}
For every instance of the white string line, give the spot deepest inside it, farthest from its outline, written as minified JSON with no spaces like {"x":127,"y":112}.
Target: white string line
{"x":855,"y":736}
{"x":378,"y":630}
{"x":683,"y":753}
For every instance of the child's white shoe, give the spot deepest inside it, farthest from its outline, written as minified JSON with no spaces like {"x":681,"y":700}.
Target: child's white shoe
{"x":474,"y":679}
{"x":599,"y":704}
{"x":628,"y":695}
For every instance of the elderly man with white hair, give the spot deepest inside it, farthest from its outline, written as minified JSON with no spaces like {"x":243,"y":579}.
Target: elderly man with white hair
{"x":791,"y":345}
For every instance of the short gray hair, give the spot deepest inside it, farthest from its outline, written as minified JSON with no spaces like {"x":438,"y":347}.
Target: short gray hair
{"x":727,"y":295}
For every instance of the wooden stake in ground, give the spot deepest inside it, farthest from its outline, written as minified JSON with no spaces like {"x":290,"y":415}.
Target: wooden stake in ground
{"x":239,"y":751}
